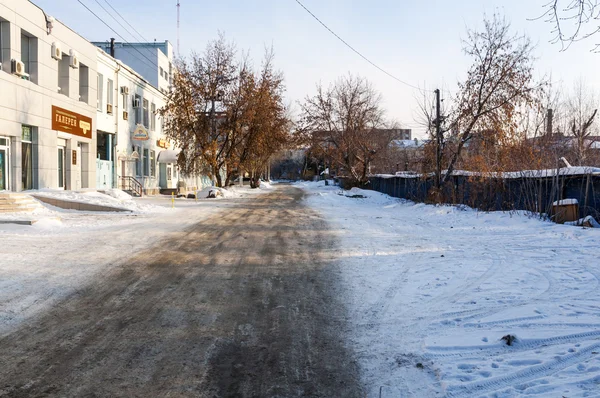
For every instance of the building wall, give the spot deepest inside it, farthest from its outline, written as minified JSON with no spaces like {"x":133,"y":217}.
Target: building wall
{"x":121,"y":128}
{"x":153,"y":61}
{"x":29,"y":102}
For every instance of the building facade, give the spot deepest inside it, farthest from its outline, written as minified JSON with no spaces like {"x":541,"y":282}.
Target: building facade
{"x":131,"y":144}
{"x":47,"y":102}
{"x":153,"y":61}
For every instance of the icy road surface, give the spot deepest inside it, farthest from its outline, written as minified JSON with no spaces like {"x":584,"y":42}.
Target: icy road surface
{"x":239,"y":300}
{"x":432,"y":290}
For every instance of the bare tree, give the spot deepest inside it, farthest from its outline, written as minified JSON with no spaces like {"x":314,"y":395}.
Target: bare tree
{"x":573,"y":20}
{"x":344,"y":123}
{"x":498,"y":85}
{"x":582,"y":108}
{"x":222,"y":114}
{"x":267,"y":125}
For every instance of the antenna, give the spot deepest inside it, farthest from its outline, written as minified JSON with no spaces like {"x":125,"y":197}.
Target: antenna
{"x":178,"y":7}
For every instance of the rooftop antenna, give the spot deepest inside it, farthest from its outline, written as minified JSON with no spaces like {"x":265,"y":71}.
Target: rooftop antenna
{"x":178,"y":7}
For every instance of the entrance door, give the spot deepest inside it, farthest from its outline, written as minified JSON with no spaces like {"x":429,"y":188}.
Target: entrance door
{"x":4,"y":164}
{"x":77,"y":165}
{"x":61,"y":167}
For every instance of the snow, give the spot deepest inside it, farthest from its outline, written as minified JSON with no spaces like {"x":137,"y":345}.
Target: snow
{"x":111,"y":198}
{"x":563,"y":171}
{"x":431,"y":291}
{"x":565,"y":202}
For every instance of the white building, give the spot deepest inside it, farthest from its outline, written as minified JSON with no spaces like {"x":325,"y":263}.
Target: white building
{"x":47,"y":102}
{"x":142,"y":152}
{"x":130,"y":137}
{"x":153,"y":61}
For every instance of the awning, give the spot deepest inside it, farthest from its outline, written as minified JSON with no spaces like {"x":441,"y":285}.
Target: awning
{"x":168,"y":156}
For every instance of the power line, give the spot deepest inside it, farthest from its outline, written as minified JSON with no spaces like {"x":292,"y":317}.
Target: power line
{"x":357,"y":52}
{"x":115,"y":19}
{"x":152,"y":63}
{"x":136,"y":31}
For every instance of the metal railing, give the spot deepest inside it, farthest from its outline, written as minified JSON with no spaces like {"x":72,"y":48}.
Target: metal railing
{"x":131,"y":185}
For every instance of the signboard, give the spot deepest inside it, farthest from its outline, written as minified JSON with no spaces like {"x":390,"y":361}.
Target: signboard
{"x":140,"y":133}
{"x":162,"y":144}
{"x":71,"y":122}
{"x":74,"y":156}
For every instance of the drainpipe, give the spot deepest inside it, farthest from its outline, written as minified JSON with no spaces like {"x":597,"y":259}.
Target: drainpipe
{"x":116,"y":113}
{"x":112,"y":47}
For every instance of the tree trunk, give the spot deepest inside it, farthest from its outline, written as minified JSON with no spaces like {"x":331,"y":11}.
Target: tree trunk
{"x":218,"y":179}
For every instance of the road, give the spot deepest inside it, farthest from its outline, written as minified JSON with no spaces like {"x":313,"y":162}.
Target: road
{"x":245,"y":303}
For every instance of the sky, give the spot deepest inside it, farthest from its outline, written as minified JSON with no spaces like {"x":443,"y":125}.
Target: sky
{"x":419,"y":42}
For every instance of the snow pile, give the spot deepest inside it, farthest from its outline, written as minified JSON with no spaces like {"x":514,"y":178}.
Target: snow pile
{"x":119,"y":194}
{"x":265,"y":185}
{"x":433,"y":289}
{"x":112,"y":198}
{"x":222,"y":193}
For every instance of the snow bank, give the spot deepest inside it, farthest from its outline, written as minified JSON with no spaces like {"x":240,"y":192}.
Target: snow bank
{"x":431,"y":290}
{"x":112,"y":198}
{"x":222,"y":193}
{"x":563,"y":171}
{"x":565,"y":202}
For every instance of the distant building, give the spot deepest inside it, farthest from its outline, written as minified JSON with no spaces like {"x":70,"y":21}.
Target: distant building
{"x":401,"y":134}
{"x":153,"y":61}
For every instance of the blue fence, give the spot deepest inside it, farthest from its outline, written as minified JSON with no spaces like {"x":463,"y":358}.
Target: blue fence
{"x":534,"y":194}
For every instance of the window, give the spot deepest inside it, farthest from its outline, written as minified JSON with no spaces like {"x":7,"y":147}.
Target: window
{"x":138,"y":161}
{"x":63,"y":75}
{"x":153,"y":116}
{"x":109,"y":95}
{"x":146,"y":115}
{"x":166,"y":76}
{"x":100,"y":91}
{"x":161,"y":71}
{"x":26,"y":157}
{"x":25,"y":50}
{"x":29,"y":55}
{"x":153,"y":163}
{"x":4,"y":42}
{"x":84,"y":83}
{"x":146,"y":163}
{"x":137,"y":108}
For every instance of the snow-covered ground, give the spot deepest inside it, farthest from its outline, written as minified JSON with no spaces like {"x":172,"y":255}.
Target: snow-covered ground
{"x":66,"y":249}
{"x":432,"y":290}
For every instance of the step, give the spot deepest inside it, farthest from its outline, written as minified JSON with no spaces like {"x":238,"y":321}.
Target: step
{"x":11,"y":195}
{"x":20,"y":204}
{"x":20,"y":210}
{"x":16,"y":201}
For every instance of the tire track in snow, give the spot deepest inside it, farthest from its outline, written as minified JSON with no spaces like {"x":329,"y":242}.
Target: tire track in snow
{"x":523,"y":345}
{"x":533,"y":372}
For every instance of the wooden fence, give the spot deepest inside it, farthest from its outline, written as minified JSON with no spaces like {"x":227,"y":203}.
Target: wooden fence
{"x":531,"y":191}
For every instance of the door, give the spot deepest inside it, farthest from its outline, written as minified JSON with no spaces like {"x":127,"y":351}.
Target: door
{"x":61,"y":167}
{"x":4,"y":169}
{"x":78,"y":165}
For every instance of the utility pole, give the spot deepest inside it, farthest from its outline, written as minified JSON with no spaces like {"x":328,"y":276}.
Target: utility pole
{"x":178,"y":7}
{"x":438,"y":141}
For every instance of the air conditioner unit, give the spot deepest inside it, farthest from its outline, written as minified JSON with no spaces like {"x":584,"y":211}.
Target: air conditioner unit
{"x":56,"y":51}
{"x":109,"y":108}
{"x":18,"y":68}
{"x":125,"y":115}
{"x":136,"y":102}
{"x":125,"y":90}
{"x":74,"y":59}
